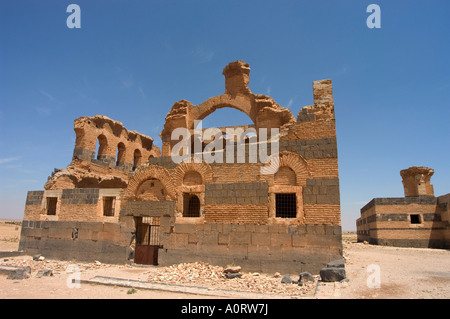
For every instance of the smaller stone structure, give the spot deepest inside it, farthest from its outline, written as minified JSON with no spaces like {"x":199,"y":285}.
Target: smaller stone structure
{"x":417,"y":220}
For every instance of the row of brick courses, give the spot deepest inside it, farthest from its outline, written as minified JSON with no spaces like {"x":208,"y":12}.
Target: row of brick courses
{"x":312,"y":130}
{"x":325,"y":214}
{"x":422,"y":200}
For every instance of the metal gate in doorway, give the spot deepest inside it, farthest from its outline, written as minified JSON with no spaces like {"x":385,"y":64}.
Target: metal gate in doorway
{"x":147,"y":240}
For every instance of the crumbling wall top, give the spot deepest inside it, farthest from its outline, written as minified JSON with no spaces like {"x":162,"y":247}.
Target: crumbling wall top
{"x":416,"y":181}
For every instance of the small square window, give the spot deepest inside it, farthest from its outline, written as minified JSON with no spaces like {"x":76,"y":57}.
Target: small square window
{"x":108,"y":206}
{"x":286,"y":205}
{"x":415,"y":219}
{"x":51,"y":205}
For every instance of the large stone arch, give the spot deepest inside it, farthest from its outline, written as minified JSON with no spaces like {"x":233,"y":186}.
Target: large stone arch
{"x":261,"y":109}
{"x":241,"y":103}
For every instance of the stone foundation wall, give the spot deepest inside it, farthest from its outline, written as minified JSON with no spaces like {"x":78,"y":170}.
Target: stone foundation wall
{"x":80,"y":241}
{"x":261,"y":248}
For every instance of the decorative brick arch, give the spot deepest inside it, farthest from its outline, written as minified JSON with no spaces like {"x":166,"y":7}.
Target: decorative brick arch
{"x":202,"y":168}
{"x":146,"y":172}
{"x":295,"y":162}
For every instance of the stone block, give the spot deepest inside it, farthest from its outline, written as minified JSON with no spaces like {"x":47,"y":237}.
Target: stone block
{"x":185,"y":228}
{"x":331,"y":274}
{"x":240,"y":237}
{"x":280,"y":239}
{"x":15,"y":272}
{"x":260,"y":239}
{"x":208,"y":238}
{"x":223,"y":239}
{"x":177,"y":241}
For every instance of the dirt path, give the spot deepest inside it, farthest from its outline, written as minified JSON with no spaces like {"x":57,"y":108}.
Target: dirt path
{"x":373,"y":272}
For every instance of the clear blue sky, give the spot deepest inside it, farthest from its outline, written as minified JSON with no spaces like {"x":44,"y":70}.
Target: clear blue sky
{"x":131,"y":60}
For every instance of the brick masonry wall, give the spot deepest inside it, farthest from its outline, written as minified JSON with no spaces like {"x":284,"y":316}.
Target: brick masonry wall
{"x":236,"y":193}
{"x":236,"y":202}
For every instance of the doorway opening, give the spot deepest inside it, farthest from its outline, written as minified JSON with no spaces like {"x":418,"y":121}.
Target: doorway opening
{"x":147,"y":240}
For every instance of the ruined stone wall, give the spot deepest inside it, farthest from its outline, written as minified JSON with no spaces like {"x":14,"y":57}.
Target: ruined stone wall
{"x":82,"y":204}
{"x":107,"y":142}
{"x":78,"y":228}
{"x":221,"y":212}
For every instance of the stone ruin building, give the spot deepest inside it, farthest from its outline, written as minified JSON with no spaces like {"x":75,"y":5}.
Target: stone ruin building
{"x":417,"y":220}
{"x":122,"y":199}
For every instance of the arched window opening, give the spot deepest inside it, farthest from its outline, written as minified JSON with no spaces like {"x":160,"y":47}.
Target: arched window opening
{"x":101,"y":146}
{"x":137,"y":157}
{"x":120,"y":158}
{"x":226,"y":117}
{"x":191,"y":206}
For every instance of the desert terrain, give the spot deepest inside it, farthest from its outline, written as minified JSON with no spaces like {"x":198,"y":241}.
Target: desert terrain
{"x":373,"y":272}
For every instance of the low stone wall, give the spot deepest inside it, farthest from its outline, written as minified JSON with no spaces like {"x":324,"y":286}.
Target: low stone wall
{"x":80,"y":241}
{"x":261,"y":248}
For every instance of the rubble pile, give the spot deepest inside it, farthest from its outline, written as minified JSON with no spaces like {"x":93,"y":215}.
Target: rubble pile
{"x":215,"y":277}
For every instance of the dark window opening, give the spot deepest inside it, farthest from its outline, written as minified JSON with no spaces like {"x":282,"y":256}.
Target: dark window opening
{"x":108,"y":206}
{"x":286,"y":205}
{"x":101,"y":146}
{"x":120,"y":157}
{"x":415,"y":219}
{"x":136,"y":159}
{"x":51,"y":205}
{"x":191,"y":206}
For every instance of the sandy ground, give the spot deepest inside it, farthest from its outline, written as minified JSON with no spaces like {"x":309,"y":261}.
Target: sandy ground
{"x":374,"y":272}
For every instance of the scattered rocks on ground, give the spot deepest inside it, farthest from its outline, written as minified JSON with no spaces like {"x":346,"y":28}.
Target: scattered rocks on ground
{"x":287,"y":280}
{"x":38,"y":258}
{"x":305,"y":277}
{"x":15,"y":272}
{"x":213,"y":277}
{"x":196,"y":274}
{"x":44,"y":273}
{"x":232,"y":275}
{"x":232,"y":269}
